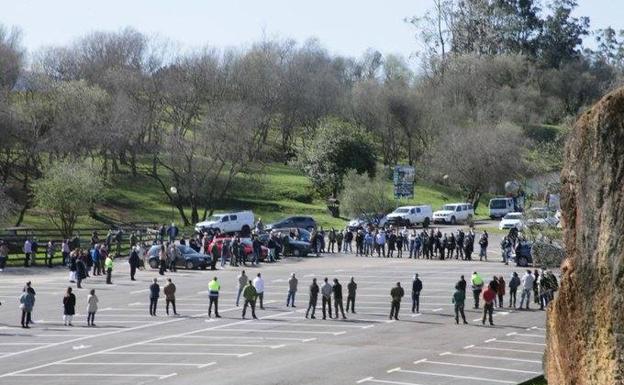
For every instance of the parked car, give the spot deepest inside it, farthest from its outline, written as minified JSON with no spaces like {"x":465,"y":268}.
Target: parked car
{"x":377,"y":220}
{"x":301,"y":233}
{"x":247,"y":243}
{"x":541,"y":217}
{"x":301,"y":221}
{"x":454,"y":213}
{"x":411,"y":216}
{"x":499,"y":207}
{"x":512,"y":220}
{"x":297,"y":247}
{"x":191,"y":259}
{"x":522,"y":254}
{"x":242,"y":221}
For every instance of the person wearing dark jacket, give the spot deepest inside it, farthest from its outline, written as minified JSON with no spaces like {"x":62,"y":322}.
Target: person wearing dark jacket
{"x":351,"y":289}
{"x":514,"y":283}
{"x":397,"y":294}
{"x":154,"y":294}
{"x":134,"y":261}
{"x":461,"y":284}
{"x":416,"y":288}
{"x":459,"y":298}
{"x":337,"y":290}
{"x":69,"y":307}
{"x":313,"y":298}
{"x":81,"y":272}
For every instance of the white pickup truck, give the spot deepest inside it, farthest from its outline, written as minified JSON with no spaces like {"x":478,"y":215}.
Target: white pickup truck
{"x":410,"y":216}
{"x":453,"y":213}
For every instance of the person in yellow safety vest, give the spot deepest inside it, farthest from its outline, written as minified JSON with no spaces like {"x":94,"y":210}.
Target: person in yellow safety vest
{"x":109,"y":269}
{"x":213,"y":296}
{"x":477,"y":286}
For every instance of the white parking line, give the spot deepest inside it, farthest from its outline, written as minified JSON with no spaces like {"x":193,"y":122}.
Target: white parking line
{"x":504,"y":349}
{"x":223,"y":345}
{"x":160,"y":377}
{"x":476,"y":366}
{"x":249,"y":338}
{"x":117,"y":352}
{"x":525,"y":335}
{"x":373,"y":379}
{"x":199,"y":366}
{"x":491,"y":357}
{"x":456,"y":376}
{"x":519,"y":342}
{"x":285,"y":331}
{"x":315,"y":325}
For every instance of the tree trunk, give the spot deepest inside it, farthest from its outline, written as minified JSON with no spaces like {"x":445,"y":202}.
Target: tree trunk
{"x":133,"y":164}
{"x":585,"y":327}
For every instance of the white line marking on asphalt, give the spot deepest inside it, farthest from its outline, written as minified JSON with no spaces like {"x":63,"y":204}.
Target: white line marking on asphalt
{"x":337,"y":325}
{"x":364,"y":380}
{"x":373,"y":379}
{"x":393,"y":370}
{"x":536,"y":328}
{"x":174,"y":353}
{"x":493,"y":358}
{"x":137,"y":363}
{"x":419,"y":361}
{"x":23,"y":343}
{"x":526,"y":335}
{"x":167,"y":376}
{"x":490,"y":340}
{"x":139,"y":291}
{"x":507,"y":350}
{"x":511,"y":334}
{"x":92,"y":375}
{"x":282,"y":331}
{"x":206,"y":365}
{"x":456,"y":376}
{"x":245,"y":354}
{"x":469,"y":346}
{"x":479,"y":367}
{"x":248,"y":338}
{"x":437,"y":310}
{"x":224,"y":345}
{"x":80,"y":347}
{"x":445,"y":353}
{"x":520,"y":343}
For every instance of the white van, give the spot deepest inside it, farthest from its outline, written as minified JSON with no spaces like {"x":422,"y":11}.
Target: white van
{"x":411,"y":216}
{"x":454,"y":213}
{"x":499,"y":207}
{"x":242,"y":221}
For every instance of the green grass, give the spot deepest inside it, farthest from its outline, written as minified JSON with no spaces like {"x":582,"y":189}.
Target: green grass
{"x":536,"y":381}
{"x":275,"y":192}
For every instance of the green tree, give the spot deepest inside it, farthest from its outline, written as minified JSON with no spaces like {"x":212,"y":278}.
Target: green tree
{"x":364,"y":196}
{"x":67,"y":190}
{"x":337,"y":147}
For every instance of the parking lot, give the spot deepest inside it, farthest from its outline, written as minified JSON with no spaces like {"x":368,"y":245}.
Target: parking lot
{"x":282,"y":347}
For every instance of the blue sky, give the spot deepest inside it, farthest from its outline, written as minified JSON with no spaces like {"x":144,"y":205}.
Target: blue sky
{"x":345,"y":27}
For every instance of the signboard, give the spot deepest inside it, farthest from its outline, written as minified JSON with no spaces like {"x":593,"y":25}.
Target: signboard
{"x":404,"y":181}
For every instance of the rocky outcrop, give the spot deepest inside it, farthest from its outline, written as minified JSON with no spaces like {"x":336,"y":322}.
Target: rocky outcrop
{"x":585,"y":327}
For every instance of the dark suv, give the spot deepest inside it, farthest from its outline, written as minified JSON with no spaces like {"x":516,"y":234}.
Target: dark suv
{"x":304,"y":222}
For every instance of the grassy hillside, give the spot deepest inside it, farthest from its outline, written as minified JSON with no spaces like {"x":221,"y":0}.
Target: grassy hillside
{"x":277,"y":192}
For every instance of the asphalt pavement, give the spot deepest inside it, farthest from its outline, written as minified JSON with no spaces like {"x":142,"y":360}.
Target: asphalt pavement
{"x":128,"y":346}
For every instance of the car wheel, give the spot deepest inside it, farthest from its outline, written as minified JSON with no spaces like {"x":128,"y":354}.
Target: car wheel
{"x":426,"y":222}
{"x":153,"y":263}
{"x":453,"y":220}
{"x":407,"y":223}
{"x":296,"y":252}
{"x":523,"y":262}
{"x":203,"y":267}
{"x":189,"y":265}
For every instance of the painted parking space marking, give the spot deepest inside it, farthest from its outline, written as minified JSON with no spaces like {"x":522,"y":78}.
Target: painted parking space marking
{"x":476,"y":366}
{"x":454,"y":376}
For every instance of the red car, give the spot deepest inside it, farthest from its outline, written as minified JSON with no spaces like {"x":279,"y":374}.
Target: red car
{"x":247,"y":243}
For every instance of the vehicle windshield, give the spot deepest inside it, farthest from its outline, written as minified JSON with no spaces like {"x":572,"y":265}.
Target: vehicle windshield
{"x":513,"y":216}
{"x":214,"y":218}
{"x":401,"y":211}
{"x":498,"y":203}
{"x":449,"y":207}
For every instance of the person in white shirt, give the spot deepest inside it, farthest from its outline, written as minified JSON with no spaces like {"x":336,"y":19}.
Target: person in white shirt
{"x":527,"y":287}
{"x":27,"y":252}
{"x":258,"y":283}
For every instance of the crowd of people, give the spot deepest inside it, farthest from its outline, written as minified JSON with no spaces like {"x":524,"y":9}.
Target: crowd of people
{"x":541,"y":284}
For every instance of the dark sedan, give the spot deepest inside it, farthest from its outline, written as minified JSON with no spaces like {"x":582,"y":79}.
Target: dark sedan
{"x":190,"y":259}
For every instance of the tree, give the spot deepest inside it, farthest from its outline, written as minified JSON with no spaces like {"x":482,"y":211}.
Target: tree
{"x":563,"y":34}
{"x":11,"y":58}
{"x":338,"y":146}
{"x":363,"y":196}
{"x":67,"y":190}
{"x":479,"y":158}
{"x":7,"y":207}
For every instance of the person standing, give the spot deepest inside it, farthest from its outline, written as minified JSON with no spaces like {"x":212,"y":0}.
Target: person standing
{"x":249,"y":294}
{"x":477,"y":286}
{"x":461,"y":284}
{"x":242,"y":282}
{"x":337,"y":290}
{"x":154,"y":294}
{"x":326,"y":292}
{"x":134,"y":261}
{"x":27,"y":252}
{"x":95,"y":259}
{"x":92,"y":306}
{"x":501,"y":290}
{"x":391,"y":244}
{"x":213,"y":296}
{"x":339,"y":239}
{"x":225,"y":250}
{"x":400,"y":240}
{"x":69,"y":307}
{"x":65,"y":250}
{"x":27,"y":302}
{"x":162,"y":259}
{"x":214,"y":256}
{"x":332,"y":240}
{"x":536,"y":280}
{"x":109,"y":269}
{"x":527,"y":286}
{"x":169,"y":290}
{"x":172,"y":231}
{"x":292,"y":290}
{"x":416,"y":288}
{"x":173,"y":255}
{"x":351,"y":289}
{"x":459,"y":299}
{"x":489,"y":296}
{"x":258,"y":283}
{"x":514,"y":283}
{"x":483,"y":244}
{"x":397,"y":294}
{"x":313,"y":298}
{"x":81,"y":269}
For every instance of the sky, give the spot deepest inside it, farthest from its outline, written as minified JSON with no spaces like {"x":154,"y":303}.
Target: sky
{"x":345,"y":27}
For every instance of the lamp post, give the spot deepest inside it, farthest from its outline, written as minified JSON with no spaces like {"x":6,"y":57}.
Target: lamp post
{"x":173,"y":191}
